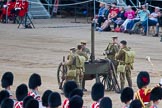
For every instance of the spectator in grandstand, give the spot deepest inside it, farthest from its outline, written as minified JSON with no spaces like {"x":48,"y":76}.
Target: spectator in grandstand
{"x":129,"y":14}
{"x":143,"y":14}
{"x":100,"y":16}
{"x":153,"y":21}
{"x":120,"y":17}
{"x":111,"y":17}
{"x":104,"y":15}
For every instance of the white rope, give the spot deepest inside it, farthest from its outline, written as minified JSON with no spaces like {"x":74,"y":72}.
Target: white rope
{"x":61,"y":5}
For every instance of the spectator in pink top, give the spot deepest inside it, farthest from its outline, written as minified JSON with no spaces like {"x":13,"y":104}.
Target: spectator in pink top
{"x":130,"y":15}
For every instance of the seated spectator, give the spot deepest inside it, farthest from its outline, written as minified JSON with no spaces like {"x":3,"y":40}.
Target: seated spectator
{"x":54,"y":100}
{"x":153,"y":21}
{"x":126,"y":97}
{"x":143,"y":14}
{"x":136,"y":104}
{"x":105,"y":103}
{"x":143,"y":94}
{"x":100,"y":17}
{"x":21,"y":93}
{"x":76,"y":102}
{"x":111,"y":18}
{"x":130,"y":15}
{"x":120,"y":18}
{"x":7,"y":82}
{"x":7,"y":103}
{"x":97,"y":94}
{"x":45,"y":98}
{"x":34,"y":83}
{"x":156,"y":96}
{"x":68,"y":87}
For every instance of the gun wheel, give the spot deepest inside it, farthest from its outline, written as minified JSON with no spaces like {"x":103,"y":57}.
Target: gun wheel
{"x":61,"y":75}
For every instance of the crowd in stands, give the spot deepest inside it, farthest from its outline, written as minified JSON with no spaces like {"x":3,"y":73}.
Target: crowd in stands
{"x":126,"y":19}
{"x":143,"y":98}
{"x":12,"y":9}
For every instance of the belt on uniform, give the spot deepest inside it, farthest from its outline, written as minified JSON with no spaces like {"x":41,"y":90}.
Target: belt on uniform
{"x":146,"y":103}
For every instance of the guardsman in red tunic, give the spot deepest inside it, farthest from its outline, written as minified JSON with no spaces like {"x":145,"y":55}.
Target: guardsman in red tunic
{"x":156,"y":96}
{"x":24,"y":8}
{"x":7,"y":82}
{"x":32,"y":103}
{"x":54,"y":100}
{"x":21,"y":93}
{"x":136,"y":104}
{"x":143,"y":94}
{"x":106,"y":102}
{"x":126,"y":97}
{"x":45,"y":98}
{"x":34,"y":83}
{"x":97,"y":94}
{"x":7,"y":103}
{"x":68,"y":87}
{"x":3,"y":94}
{"x":76,"y":102}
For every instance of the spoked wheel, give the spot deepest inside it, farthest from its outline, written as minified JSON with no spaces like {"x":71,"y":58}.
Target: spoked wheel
{"x":61,"y":75}
{"x":107,"y":82}
{"x":115,"y":83}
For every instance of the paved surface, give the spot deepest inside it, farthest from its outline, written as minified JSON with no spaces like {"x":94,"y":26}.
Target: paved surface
{"x":40,"y":50}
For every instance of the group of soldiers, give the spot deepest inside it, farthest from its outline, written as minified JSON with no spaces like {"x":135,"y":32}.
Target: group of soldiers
{"x":75,"y":63}
{"x":12,"y":9}
{"x":114,"y":51}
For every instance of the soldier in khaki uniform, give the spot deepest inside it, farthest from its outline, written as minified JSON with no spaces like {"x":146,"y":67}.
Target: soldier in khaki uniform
{"x":112,"y":49}
{"x":81,"y":70}
{"x":120,"y":56}
{"x":84,"y":48}
{"x":71,"y":72}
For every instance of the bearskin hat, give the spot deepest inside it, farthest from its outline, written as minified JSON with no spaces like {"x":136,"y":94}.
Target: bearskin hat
{"x":54,"y":100}
{"x":76,"y":91}
{"x":127,"y":94}
{"x":106,"y":103}
{"x":21,"y":92}
{"x":68,"y":87}
{"x":156,"y":94}
{"x":45,"y":97}
{"x":97,"y":91}
{"x":7,"y":79}
{"x":76,"y":102}
{"x":7,"y":103}
{"x":136,"y":104}
{"x":26,"y":99}
{"x":4,"y":94}
{"x":143,"y":79}
{"x":32,"y":103}
{"x":34,"y":81}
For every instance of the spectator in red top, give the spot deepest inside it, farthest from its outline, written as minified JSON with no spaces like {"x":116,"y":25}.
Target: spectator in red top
{"x":111,"y":17}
